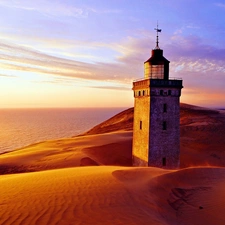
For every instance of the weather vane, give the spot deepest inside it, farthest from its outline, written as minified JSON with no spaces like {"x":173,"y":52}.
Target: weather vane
{"x":157,"y":37}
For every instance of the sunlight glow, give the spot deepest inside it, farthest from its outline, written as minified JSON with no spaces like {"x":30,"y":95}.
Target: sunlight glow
{"x":62,"y":54}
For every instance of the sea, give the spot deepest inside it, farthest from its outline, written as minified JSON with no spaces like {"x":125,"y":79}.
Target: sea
{"x":22,"y":127}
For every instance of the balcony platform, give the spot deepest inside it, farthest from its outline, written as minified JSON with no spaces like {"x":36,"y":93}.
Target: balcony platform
{"x":148,"y":82}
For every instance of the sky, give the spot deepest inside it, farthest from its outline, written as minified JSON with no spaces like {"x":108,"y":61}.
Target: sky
{"x":86,"y":53}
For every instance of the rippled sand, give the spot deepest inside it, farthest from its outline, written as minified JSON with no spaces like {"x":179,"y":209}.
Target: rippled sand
{"x":114,"y":195}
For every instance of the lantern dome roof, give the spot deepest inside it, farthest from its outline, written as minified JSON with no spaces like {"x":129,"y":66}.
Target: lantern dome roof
{"x":157,"y":58}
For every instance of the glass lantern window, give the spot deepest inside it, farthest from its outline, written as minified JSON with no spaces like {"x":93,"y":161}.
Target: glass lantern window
{"x":157,"y":71}
{"x":154,"y":71}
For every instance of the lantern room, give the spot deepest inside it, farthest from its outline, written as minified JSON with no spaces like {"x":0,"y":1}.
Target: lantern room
{"x":157,"y":67}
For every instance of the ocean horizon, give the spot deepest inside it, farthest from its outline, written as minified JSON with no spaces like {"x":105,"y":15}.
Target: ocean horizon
{"x":22,"y":127}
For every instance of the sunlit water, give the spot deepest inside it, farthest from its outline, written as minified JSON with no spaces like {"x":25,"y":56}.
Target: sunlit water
{"x":22,"y":127}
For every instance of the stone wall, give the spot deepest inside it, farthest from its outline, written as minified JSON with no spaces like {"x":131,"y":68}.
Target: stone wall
{"x":141,"y":130}
{"x":156,"y":134}
{"x":164,"y":139}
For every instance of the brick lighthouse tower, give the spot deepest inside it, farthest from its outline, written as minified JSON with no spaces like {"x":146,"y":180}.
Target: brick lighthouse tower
{"x":156,"y":131}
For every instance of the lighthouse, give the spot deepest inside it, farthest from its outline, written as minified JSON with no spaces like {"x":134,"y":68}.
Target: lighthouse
{"x":156,"y":129}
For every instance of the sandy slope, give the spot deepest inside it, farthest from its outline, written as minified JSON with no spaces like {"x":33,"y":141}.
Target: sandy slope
{"x":196,"y":196}
{"x":202,"y":136}
{"x":107,"y":149}
{"x":114,"y":195}
{"x":110,"y":143}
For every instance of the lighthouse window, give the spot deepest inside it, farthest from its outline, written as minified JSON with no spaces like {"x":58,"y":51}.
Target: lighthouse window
{"x":164,"y":161}
{"x":139,"y":93}
{"x":155,"y":71}
{"x":140,"y":125}
{"x":164,"y":125}
{"x":143,"y":93}
{"x":169,"y":92}
{"x":161,"y":92}
{"x":164,"y":107}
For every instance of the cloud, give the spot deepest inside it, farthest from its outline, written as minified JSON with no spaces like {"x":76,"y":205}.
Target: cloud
{"x":16,"y":57}
{"x":10,"y":76}
{"x":105,"y":11}
{"x":187,"y":27}
{"x":111,"y":87}
{"x":193,"y":47}
{"x":187,"y":54}
{"x":202,"y":66}
{"x":56,"y":81}
{"x":134,"y":50}
{"x":221,"y":5}
{"x":51,"y":8}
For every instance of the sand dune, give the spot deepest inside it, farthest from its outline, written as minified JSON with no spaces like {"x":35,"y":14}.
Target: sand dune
{"x":202,"y":136}
{"x":66,"y":181}
{"x":104,"y":149}
{"x":110,"y":143}
{"x":69,"y":196}
{"x":114,"y":195}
